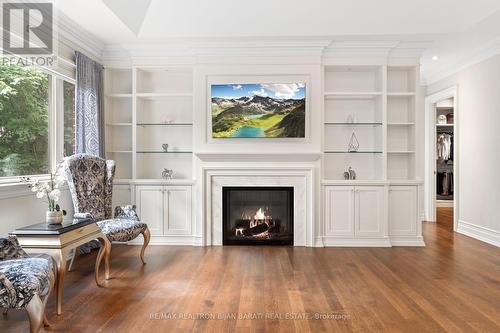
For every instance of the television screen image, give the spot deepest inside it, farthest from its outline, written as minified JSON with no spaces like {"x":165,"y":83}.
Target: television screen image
{"x":265,"y":110}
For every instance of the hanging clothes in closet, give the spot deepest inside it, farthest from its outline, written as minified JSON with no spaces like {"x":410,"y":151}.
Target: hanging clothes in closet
{"x":444,"y":183}
{"x":444,"y":175}
{"x":445,"y":146}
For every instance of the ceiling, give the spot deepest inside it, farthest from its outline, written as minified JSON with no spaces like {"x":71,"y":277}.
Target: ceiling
{"x":139,"y":21}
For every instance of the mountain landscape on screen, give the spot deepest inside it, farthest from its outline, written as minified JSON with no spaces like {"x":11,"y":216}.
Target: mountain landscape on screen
{"x":258,"y":110}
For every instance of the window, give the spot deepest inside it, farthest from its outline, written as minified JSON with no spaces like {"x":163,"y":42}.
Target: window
{"x":69,"y":118}
{"x":24,"y":116}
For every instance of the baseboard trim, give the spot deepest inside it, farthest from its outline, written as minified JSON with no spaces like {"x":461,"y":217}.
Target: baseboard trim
{"x":480,"y":233}
{"x":407,"y":241}
{"x":356,"y":242}
{"x":318,"y":242}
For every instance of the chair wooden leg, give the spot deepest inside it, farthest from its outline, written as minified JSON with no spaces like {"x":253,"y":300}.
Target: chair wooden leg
{"x":147,"y":237}
{"x":76,"y":253}
{"x":35,"y":311}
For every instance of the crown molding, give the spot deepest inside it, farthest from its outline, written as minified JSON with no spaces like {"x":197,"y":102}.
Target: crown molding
{"x":485,"y":52}
{"x":266,"y":47}
{"x":78,"y":38}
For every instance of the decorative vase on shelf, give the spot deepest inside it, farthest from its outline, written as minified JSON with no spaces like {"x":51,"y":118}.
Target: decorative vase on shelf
{"x":164,"y":146}
{"x":54,"y":217}
{"x":167,"y":174}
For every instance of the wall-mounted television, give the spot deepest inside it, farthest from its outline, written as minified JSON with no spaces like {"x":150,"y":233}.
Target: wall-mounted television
{"x":258,"y":110}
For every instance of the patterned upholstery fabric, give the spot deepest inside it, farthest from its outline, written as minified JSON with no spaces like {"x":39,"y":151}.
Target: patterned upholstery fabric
{"x":90,"y":180}
{"x":121,"y":229}
{"x":126,"y":211}
{"x":22,"y":277}
{"x":10,"y":248}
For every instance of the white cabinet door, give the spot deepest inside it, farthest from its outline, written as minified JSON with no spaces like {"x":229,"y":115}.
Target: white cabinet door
{"x":178,"y":210}
{"x":403,"y":211}
{"x":150,"y":207}
{"x":339,"y":211}
{"x":369,"y":211}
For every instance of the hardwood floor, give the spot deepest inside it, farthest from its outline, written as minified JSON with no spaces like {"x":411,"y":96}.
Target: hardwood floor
{"x":444,"y":216}
{"x":451,"y":285}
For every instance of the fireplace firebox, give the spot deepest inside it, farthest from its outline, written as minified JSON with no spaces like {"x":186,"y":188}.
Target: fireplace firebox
{"x":257,"y":215}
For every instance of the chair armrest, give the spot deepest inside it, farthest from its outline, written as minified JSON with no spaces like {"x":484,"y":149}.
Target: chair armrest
{"x":10,"y":248}
{"x":128,"y":211}
{"x":82,"y":216}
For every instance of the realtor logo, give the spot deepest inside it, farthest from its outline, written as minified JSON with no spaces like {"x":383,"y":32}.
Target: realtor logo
{"x":28,"y":30}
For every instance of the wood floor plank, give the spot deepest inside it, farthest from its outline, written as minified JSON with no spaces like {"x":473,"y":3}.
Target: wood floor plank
{"x":451,"y":285}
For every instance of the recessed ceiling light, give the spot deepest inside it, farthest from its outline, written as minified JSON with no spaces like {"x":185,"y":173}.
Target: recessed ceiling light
{"x":435,"y":58}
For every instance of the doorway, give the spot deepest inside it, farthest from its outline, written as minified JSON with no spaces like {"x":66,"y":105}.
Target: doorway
{"x":441,"y":155}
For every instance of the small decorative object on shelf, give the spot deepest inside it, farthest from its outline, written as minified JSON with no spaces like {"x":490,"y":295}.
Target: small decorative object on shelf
{"x":49,"y":189}
{"x":353,"y":143}
{"x":352,"y":173}
{"x":441,"y":119}
{"x":165,"y":146}
{"x":449,"y":118}
{"x":167,"y":174}
{"x":346,"y":175}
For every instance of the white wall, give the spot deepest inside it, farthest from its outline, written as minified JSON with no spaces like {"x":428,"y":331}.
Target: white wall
{"x":479,"y":151}
{"x":19,"y":208}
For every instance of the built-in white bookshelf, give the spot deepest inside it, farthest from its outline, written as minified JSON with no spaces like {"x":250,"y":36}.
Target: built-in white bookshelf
{"x":377,"y":103}
{"x":353,"y":102}
{"x":118,"y":106}
{"x":401,"y":140}
{"x":147,"y":107}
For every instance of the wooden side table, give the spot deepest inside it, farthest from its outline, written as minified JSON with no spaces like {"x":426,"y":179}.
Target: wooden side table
{"x":59,"y":240}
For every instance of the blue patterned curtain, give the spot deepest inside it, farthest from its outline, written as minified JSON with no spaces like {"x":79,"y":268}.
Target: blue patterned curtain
{"x":89,"y":110}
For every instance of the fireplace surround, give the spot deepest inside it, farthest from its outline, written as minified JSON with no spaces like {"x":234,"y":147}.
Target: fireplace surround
{"x":257,"y":215}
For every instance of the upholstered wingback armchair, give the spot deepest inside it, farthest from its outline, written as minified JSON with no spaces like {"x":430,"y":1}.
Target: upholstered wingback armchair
{"x":90,"y":181}
{"x":25,"y":282}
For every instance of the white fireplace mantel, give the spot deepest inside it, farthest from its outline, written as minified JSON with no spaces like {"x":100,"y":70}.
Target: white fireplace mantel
{"x":300,"y":178}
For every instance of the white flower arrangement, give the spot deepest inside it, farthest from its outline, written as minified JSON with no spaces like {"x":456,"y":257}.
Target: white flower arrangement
{"x":48,"y":189}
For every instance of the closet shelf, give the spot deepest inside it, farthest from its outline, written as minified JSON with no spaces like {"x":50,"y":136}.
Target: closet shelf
{"x":444,"y":125}
{"x":119,"y":151}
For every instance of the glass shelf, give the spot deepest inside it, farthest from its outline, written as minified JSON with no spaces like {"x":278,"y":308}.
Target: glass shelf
{"x":352,"y":152}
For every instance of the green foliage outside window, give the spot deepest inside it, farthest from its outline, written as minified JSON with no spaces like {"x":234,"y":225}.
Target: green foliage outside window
{"x":23,"y":121}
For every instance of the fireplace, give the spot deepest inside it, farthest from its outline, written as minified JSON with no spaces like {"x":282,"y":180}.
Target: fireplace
{"x":257,"y":215}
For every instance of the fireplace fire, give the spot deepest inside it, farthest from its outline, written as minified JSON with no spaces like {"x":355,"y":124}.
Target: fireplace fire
{"x":258,"y":215}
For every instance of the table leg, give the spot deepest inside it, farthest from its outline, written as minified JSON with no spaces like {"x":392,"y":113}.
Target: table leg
{"x":61,"y":269}
{"x":105,"y":252}
{"x":107,"y":256}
